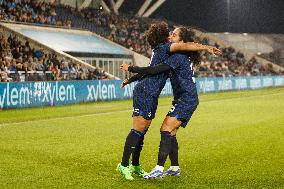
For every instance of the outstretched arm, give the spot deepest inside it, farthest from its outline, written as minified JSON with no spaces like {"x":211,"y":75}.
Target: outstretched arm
{"x":131,"y":79}
{"x":191,"y":46}
{"x":160,"y":68}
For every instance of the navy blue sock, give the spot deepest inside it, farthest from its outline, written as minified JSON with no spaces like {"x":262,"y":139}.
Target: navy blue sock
{"x":174,"y":151}
{"x":165,"y":147}
{"x":130,"y":144}
{"x":137,"y":151}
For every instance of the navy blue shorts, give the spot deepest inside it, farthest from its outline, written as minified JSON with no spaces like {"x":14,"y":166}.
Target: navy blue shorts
{"x":183,"y":110}
{"x":144,"y":105}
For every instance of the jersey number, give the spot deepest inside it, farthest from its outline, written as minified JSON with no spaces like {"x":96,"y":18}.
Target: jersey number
{"x":191,"y":67}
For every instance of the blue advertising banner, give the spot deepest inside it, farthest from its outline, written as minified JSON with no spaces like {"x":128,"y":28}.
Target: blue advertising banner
{"x":31,"y":94}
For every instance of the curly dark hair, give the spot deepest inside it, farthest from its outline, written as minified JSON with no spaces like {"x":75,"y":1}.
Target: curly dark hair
{"x":157,"y":33}
{"x":187,"y":35}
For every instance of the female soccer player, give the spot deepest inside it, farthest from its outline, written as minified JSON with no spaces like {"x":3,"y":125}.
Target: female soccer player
{"x":146,"y":93}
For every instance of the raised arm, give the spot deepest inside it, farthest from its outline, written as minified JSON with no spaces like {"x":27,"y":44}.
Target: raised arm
{"x":191,"y":46}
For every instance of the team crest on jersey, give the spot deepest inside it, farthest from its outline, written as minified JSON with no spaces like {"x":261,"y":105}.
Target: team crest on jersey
{"x":136,"y":110}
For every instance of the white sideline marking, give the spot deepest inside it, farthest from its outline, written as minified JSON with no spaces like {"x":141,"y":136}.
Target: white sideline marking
{"x":66,"y":117}
{"x":111,"y":112}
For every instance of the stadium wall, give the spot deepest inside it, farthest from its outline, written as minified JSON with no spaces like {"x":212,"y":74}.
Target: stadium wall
{"x":32,"y":94}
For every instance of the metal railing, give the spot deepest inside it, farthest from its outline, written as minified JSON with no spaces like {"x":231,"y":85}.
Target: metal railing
{"x":23,"y":76}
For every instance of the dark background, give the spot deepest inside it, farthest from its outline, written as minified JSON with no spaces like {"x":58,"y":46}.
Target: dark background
{"x":252,"y":16}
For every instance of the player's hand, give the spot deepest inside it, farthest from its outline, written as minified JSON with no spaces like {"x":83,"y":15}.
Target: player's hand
{"x":213,"y":50}
{"x":217,"y":51}
{"x":124,"y":83}
{"x":124,"y":67}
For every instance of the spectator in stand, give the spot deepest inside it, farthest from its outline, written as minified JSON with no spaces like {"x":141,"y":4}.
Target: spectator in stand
{"x":39,"y":53}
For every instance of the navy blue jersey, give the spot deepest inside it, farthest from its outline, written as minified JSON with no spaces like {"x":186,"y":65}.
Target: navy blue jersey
{"x":182,"y":77}
{"x":153,"y":84}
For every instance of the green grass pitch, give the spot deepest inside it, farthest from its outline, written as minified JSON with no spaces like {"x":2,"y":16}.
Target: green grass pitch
{"x":234,"y":140}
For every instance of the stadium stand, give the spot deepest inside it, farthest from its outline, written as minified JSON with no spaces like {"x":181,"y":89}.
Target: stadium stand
{"x":268,"y":46}
{"x":125,"y":30}
{"x":276,"y":56}
{"x":81,"y":44}
{"x":128,"y":31}
{"x":21,"y":62}
{"x":28,"y":11}
{"x":122,"y":29}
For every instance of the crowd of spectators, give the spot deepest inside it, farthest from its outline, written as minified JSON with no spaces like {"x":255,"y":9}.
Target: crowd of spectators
{"x":31,"y":11}
{"x":128,"y":31}
{"x":28,"y":11}
{"x":20,"y":62}
{"x":274,"y":56}
{"x":232,"y":63}
{"x":123,"y":29}
{"x":221,"y":67}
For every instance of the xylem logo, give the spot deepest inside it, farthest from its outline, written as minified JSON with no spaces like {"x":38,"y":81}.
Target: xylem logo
{"x":207,"y":85}
{"x":255,"y":83}
{"x":101,"y":92}
{"x":241,"y":84}
{"x":25,"y":95}
{"x":225,"y":85}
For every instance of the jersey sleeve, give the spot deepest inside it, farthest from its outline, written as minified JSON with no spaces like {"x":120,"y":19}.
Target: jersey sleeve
{"x":135,"y":78}
{"x":150,"y":70}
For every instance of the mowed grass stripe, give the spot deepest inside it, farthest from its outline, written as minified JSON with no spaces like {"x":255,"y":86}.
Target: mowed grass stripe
{"x":102,"y":109}
{"x":126,"y":110}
